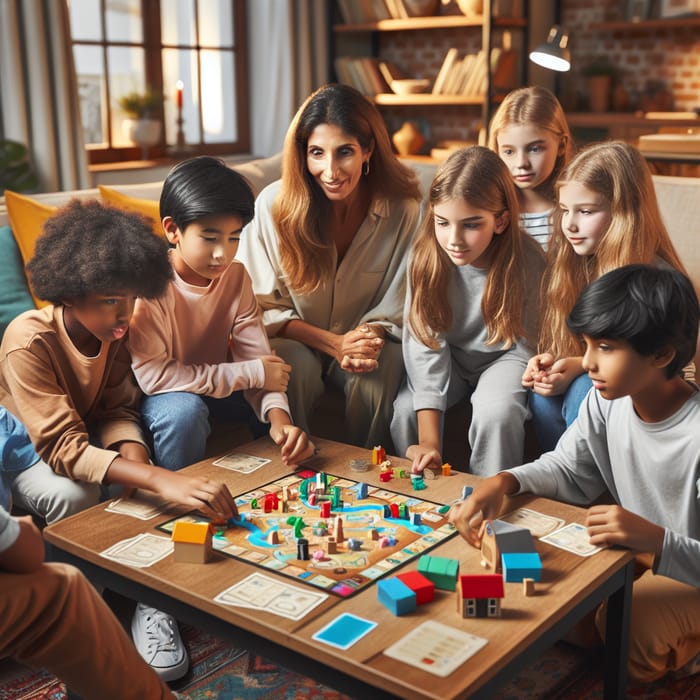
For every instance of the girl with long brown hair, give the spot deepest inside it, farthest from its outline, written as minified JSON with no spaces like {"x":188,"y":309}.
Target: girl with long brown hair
{"x":471,"y":310}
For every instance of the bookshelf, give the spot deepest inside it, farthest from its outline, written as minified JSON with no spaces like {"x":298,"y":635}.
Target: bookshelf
{"x":360,"y":44}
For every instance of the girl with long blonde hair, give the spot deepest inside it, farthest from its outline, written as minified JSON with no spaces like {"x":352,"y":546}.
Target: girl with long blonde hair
{"x":608,"y":217}
{"x":327,"y":252}
{"x":530,"y":133}
{"x":471,"y":315}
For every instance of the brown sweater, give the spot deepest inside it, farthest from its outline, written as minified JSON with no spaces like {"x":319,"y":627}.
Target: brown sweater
{"x":60,"y":395}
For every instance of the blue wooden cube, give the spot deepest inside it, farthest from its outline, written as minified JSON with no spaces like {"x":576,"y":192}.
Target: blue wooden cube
{"x":519,"y":565}
{"x":396,"y":596}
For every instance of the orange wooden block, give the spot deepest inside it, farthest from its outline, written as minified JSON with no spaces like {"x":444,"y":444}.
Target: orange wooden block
{"x":192,"y":542}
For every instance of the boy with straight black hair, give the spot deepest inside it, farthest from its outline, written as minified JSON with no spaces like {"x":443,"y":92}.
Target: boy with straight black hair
{"x":638,"y":436}
{"x":201,"y":347}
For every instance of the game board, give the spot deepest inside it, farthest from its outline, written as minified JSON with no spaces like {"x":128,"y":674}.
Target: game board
{"x":300,"y":515}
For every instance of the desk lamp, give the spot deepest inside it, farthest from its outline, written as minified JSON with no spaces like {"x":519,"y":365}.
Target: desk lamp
{"x":553,"y":54}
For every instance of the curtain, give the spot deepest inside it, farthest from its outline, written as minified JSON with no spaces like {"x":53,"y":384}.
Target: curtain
{"x":38,"y":91}
{"x":289,"y":58}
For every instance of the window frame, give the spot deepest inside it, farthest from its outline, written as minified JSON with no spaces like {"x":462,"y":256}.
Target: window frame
{"x":152,"y":45}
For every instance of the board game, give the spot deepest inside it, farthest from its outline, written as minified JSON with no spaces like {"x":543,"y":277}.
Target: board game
{"x":328,"y":531}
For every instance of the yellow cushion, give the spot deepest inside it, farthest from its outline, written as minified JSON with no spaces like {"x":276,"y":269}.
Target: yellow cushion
{"x":145,"y":207}
{"x":27,"y":218}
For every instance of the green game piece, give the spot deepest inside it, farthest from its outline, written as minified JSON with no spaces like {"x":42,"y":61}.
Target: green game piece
{"x":444,"y":509}
{"x":254,"y":503}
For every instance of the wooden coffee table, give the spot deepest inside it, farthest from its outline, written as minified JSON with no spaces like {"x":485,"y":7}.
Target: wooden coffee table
{"x":571,"y":586}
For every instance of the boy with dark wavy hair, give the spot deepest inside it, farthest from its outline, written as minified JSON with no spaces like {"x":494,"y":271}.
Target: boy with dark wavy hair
{"x":65,"y":374}
{"x":637,"y":436}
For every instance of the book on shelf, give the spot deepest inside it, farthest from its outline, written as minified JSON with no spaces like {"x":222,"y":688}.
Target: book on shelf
{"x":390,"y":71}
{"x":364,"y":11}
{"x":476,"y":80}
{"x":397,"y":9}
{"x":446,"y":68}
{"x":362,"y":73}
{"x":504,"y":69}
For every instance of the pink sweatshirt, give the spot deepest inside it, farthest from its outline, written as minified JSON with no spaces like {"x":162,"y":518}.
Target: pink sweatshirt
{"x":204,"y":340}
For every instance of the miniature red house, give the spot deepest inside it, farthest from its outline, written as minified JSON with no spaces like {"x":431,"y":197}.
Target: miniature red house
{"x":479,"y":595}
{"x":192,"y":542}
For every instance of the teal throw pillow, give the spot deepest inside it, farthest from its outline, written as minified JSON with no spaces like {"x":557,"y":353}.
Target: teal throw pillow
{"x":14,"y":292}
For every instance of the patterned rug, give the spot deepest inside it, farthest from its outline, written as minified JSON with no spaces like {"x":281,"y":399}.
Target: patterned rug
{"x":221,"y":672}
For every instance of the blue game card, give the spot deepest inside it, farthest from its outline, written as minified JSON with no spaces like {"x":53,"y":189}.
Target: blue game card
{"x":344,"y":631}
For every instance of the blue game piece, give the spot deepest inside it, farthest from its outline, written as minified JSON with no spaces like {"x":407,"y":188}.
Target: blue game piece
{"x":396,"y":596}
{"x":519,"y":565}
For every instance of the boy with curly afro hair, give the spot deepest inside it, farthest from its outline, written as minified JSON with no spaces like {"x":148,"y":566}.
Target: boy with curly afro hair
{"x":65,"y":371}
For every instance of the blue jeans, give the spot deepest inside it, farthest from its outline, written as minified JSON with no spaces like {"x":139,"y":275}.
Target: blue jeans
{"x":177,"y":424}
{"x":552,"y":415}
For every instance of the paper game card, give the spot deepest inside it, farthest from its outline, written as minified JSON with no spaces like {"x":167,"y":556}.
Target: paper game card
{"x":344,"y":631}
{"x":573,"y":538}
{"x":243,"y":464}
{"x":537,"y":523}
{"x":436,"y":648}
{"x":140,"y":551}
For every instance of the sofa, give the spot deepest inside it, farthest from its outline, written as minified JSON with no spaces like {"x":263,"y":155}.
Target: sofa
{"x":679,"y":200}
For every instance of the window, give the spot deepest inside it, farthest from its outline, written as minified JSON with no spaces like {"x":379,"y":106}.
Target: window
{"x":191,"y":51}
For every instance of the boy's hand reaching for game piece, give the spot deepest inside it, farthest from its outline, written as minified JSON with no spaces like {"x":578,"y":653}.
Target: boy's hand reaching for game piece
{"x":296,"y":446}
{"x":423,"y":456}
{"x":484,"y":503}
{"x":610,"y":525}
{"x":211,"y":498}
{"x":276,"y":373}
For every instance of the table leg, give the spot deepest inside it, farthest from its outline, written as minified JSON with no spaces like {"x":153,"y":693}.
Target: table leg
{"x":617,"y":638}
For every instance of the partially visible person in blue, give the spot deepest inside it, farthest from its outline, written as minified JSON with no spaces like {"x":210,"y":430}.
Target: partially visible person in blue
{"x":16,"y":454}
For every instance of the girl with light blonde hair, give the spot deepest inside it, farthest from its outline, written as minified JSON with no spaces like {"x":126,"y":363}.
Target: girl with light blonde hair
{"x":608,"y":217}
{"x":530,"y":133}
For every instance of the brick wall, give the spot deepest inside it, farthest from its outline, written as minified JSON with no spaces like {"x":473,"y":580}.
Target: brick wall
{"x":667,"y":56}
{"x":671,"y":57}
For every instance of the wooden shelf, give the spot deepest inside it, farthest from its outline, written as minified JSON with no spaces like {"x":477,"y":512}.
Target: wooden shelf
{"x":425,"y":98}
{"x":648,"y":25}
{"x":437,"y":22}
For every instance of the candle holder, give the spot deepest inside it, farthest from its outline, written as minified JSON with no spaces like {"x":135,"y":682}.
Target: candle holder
{"x":180,"y":147}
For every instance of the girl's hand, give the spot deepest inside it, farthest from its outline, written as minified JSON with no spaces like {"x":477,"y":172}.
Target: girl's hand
{"x":558,"y":377}
{"x":613,"y":525}
{"x":296,"y":446}
{"x":276,"y":373}
{"x":212,"y":498}
{"x":484,"y":503}
{"x":537,"y":368}
{"x":422,"y":456}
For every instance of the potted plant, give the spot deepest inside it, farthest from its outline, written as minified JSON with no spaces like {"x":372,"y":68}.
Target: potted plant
{"x":600,"y":74}
{"x":16,"y":172}
{"x":142,"y":125}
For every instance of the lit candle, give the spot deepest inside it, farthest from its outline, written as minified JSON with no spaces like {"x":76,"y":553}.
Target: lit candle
{"x":179,"y":86}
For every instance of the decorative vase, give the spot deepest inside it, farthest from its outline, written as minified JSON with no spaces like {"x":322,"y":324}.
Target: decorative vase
{"x":599,"y":92}
{"x":143,"y":132}
{"x":408,"y":139}
{"x":470,"y":7}
{"x":421,"y":8}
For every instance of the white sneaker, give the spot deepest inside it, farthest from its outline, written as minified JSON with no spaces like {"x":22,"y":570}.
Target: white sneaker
{"x":157,"y":639}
